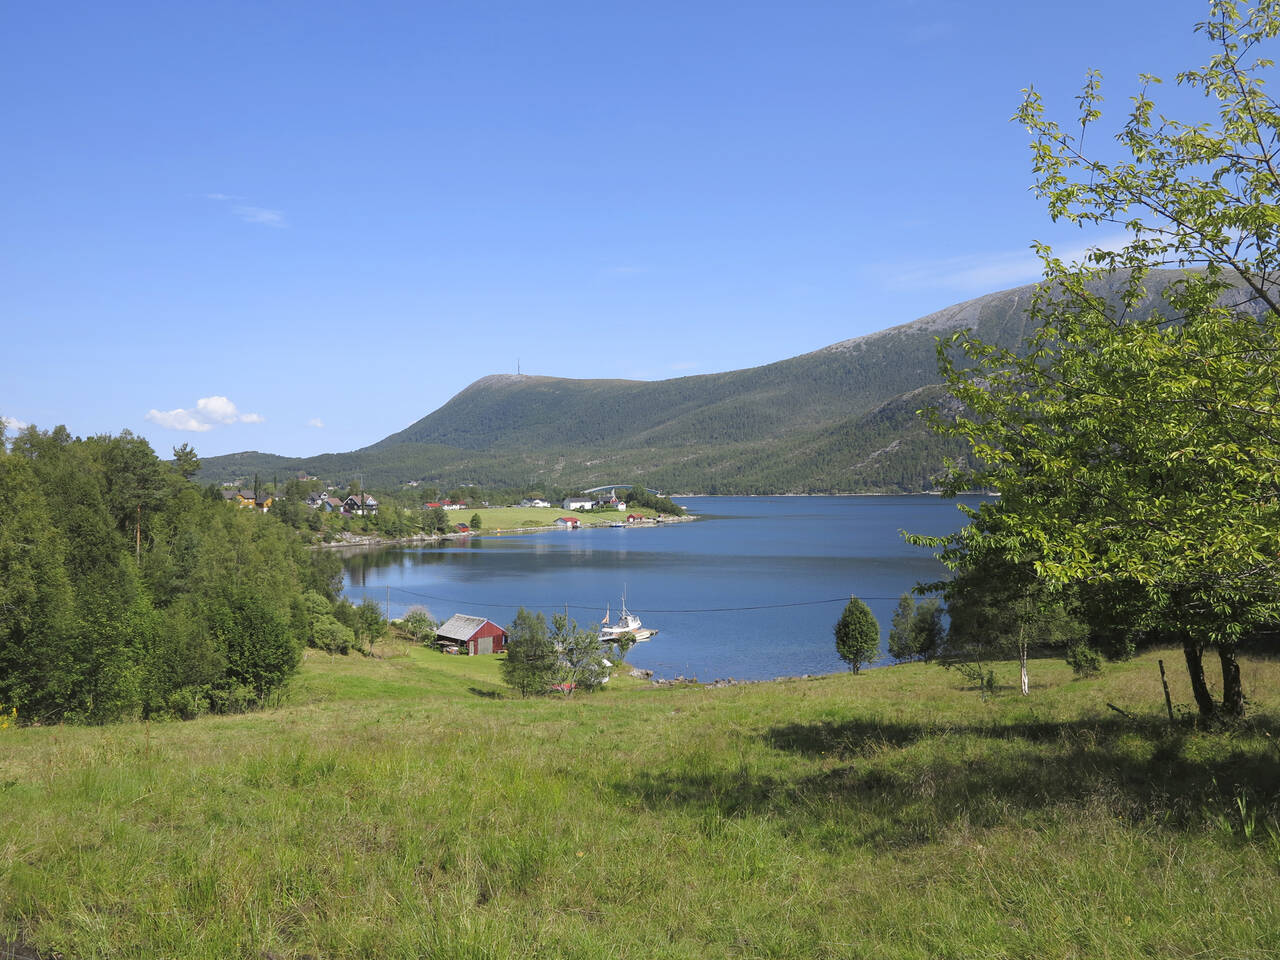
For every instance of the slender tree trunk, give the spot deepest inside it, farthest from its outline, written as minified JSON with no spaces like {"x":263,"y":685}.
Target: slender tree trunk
{"x":1232,"y":691}
{"x":1194,"y":653}
{"x":1022,"y":657}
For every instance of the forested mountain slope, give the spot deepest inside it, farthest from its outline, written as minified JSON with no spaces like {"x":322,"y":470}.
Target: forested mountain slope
{"x":839,"y":419}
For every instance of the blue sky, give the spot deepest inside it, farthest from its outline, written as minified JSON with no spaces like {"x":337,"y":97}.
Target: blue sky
{"x":299,"y":227}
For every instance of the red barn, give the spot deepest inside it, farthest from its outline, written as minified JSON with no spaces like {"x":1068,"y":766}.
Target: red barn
{"x":474,"y":634}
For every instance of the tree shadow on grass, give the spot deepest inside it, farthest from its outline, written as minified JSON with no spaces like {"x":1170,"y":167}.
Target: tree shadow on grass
{"x":490,"y":693}
{"x":892,"y":783}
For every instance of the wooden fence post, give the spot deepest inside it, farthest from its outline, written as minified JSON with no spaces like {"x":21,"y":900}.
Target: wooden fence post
{"x":1168,"y":703}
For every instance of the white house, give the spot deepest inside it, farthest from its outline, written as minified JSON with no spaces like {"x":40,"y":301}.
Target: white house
{"x":578,"y":503}
{"x":360,"y":503}
{"x":534,"y":502}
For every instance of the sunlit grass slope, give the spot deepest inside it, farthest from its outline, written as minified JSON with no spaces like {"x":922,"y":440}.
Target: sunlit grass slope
{"x":406,"y":807}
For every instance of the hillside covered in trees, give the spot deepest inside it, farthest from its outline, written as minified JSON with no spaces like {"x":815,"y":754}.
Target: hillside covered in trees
{"x":838,"y":420}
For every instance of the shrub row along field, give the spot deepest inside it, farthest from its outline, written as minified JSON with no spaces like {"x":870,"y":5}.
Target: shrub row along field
{"x":411,"y":806}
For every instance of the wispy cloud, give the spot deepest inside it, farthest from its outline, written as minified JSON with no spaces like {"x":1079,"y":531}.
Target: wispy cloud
{"x":14,"y":424}
{"x":316,"y":422}
{"x":208,"y":413}
{"x":984,"y":272}
{"x":262,"y":215}
{"x":249,"y":213}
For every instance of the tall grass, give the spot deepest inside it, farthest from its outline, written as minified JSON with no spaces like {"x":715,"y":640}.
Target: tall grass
{"x":398,"y":808}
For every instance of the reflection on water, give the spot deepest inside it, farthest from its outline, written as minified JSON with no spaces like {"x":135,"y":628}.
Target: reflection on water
{"x":358,"y":562}
{"x":750,"y":591}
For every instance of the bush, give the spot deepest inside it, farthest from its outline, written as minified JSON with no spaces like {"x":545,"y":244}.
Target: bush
{"x":187,"y":703}
{"x":334,"y":637}
{"x":1084,"y":660}
{"x":982,"y":678}
{"x":419,"y":625}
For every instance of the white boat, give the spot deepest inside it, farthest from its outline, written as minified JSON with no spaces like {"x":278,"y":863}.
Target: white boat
{"x":628,"y":622}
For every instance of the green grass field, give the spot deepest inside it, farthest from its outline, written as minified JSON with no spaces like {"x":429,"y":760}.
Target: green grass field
{"x":514,"y":518}
{"x":408,"y":807}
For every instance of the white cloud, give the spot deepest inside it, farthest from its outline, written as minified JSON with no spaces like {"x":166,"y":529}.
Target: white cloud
{"x":178,"y":420}
{"x":14,"y":424}
{"x":217,"y":409}
{"x":986,"y":272}
{"x":262,"y":215}
{"x":316,"y":422}
{"x":208,"y":413}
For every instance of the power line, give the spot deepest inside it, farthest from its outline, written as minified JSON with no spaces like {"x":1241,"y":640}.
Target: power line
{"x":595,"y":606}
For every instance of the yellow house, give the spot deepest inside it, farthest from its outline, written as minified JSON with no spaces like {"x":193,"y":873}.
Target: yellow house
{"x":245,"y":498}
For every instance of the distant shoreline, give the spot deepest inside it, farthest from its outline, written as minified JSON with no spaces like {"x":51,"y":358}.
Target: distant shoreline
{"x":359,"y":541}
{"x":763,"y":496}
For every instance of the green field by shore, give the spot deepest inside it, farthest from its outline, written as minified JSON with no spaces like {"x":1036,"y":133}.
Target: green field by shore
{"x":506,"y":519}
{"x":409,"y":806}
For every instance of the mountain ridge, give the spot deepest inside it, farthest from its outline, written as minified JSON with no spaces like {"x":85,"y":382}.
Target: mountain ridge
{"x":839,"y":419}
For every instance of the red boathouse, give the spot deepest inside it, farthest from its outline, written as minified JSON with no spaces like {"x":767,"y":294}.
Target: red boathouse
{"x":474,"y":634}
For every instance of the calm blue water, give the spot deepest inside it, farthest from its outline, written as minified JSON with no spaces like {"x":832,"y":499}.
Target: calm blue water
{"x":690,"y":581}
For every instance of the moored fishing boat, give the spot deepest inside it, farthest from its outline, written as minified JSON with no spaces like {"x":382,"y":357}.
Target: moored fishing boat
{"x":628,"y":622}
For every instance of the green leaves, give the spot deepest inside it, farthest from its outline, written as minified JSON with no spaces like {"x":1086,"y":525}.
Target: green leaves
{"x":857,"y":635}
{"x":1135,"y":440}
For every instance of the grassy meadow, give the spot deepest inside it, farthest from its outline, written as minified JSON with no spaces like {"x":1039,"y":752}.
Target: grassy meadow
{"x":494,"y":519}
{"x":408,"y":806}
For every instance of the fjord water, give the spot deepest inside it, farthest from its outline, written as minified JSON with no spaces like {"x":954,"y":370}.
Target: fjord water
{"x":750,"y":590}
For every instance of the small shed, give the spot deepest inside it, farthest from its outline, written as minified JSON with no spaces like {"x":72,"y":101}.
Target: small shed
{"x":476,"y":635}
{"x":571,"y":522}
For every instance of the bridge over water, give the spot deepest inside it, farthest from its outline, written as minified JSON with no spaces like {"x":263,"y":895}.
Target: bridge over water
{"x":618,"y":486}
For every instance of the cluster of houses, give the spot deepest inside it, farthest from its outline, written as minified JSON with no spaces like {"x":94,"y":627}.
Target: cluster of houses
{"x":364,"y":504}
{"x":578,"y":503}
{"x":358,"y":504}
